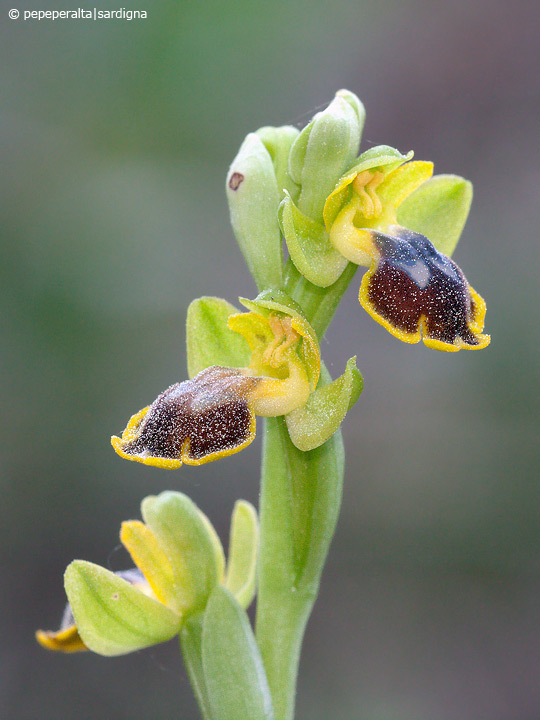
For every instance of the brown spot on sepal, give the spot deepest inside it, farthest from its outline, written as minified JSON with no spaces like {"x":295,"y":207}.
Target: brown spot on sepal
{"x":198,"y":418}
{"x":236,"y":180}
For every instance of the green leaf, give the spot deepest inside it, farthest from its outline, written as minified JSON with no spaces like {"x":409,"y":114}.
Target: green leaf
{"x":177,"y":523}
{"x":438,"y":209}
{"x":243,"y":550}
{"x":278,"y":142}
{"x":209,"y":340}
{"x":191,"y":644}
{"x":113,"y":617}
{"x":324,"y":150}
{"x":309,"y":246}
{"x":312,"y":425}
{"x":253,"y":196}
{"x":233,"y":670}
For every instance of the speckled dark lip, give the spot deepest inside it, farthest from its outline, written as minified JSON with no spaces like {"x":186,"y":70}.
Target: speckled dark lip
{"x":209,"y":412}
{"x":413,"y":279}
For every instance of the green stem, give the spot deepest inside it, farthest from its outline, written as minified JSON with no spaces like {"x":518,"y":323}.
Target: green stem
{"x":319,"y":304}
{"x":299,"y":505}
{"x":281,"y":612}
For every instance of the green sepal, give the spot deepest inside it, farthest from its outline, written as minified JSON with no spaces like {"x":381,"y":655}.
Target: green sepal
{"x":312,"y":425}
{"x":278,"y":301}
{"x":438,"y":209}
{"x":112,"y":616}
{"x":309,"y":246}
{"x":234,"y":675}
{"x":243,"y":550}
{"x":177,"y":523}
{"x":253,"y":196}
{"x":381,"y":157}
{"x":219,"y":553}
{"x":278,"y":141}
{"x":324,"y":150}
{"x":209,"y":341}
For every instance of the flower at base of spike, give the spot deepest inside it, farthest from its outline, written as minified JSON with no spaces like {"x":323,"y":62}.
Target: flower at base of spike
{"x":179,"y":561}
{"x":412,"y":288}
{"x":67,"y":639}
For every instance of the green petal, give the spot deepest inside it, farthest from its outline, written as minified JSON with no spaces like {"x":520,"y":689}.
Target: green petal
{"x":278,"y":301}
{"x":438,"y":209}
{"x":148,"y":555}
{"x":253,"y":196}
{"x":309,"y":246}
{"x":324,"y":150}
{"x":381,"y":156}
{"x":243,"y":549}
{"x":184,"y":536}
{"x":235,"y":679}
{"x":209,"y":340}
{"x":312,"y":425}
{"x":278,"y":141}
{"x":112,"y":616}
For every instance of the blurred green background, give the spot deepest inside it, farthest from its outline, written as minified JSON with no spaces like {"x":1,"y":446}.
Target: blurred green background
{"x":115,"y":141}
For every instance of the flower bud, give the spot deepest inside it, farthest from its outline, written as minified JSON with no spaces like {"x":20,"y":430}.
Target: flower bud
{"x":278,"y":141}
{"x":179,"y":562}
{"x":253,"y":196}
{"x":324,"y":150}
